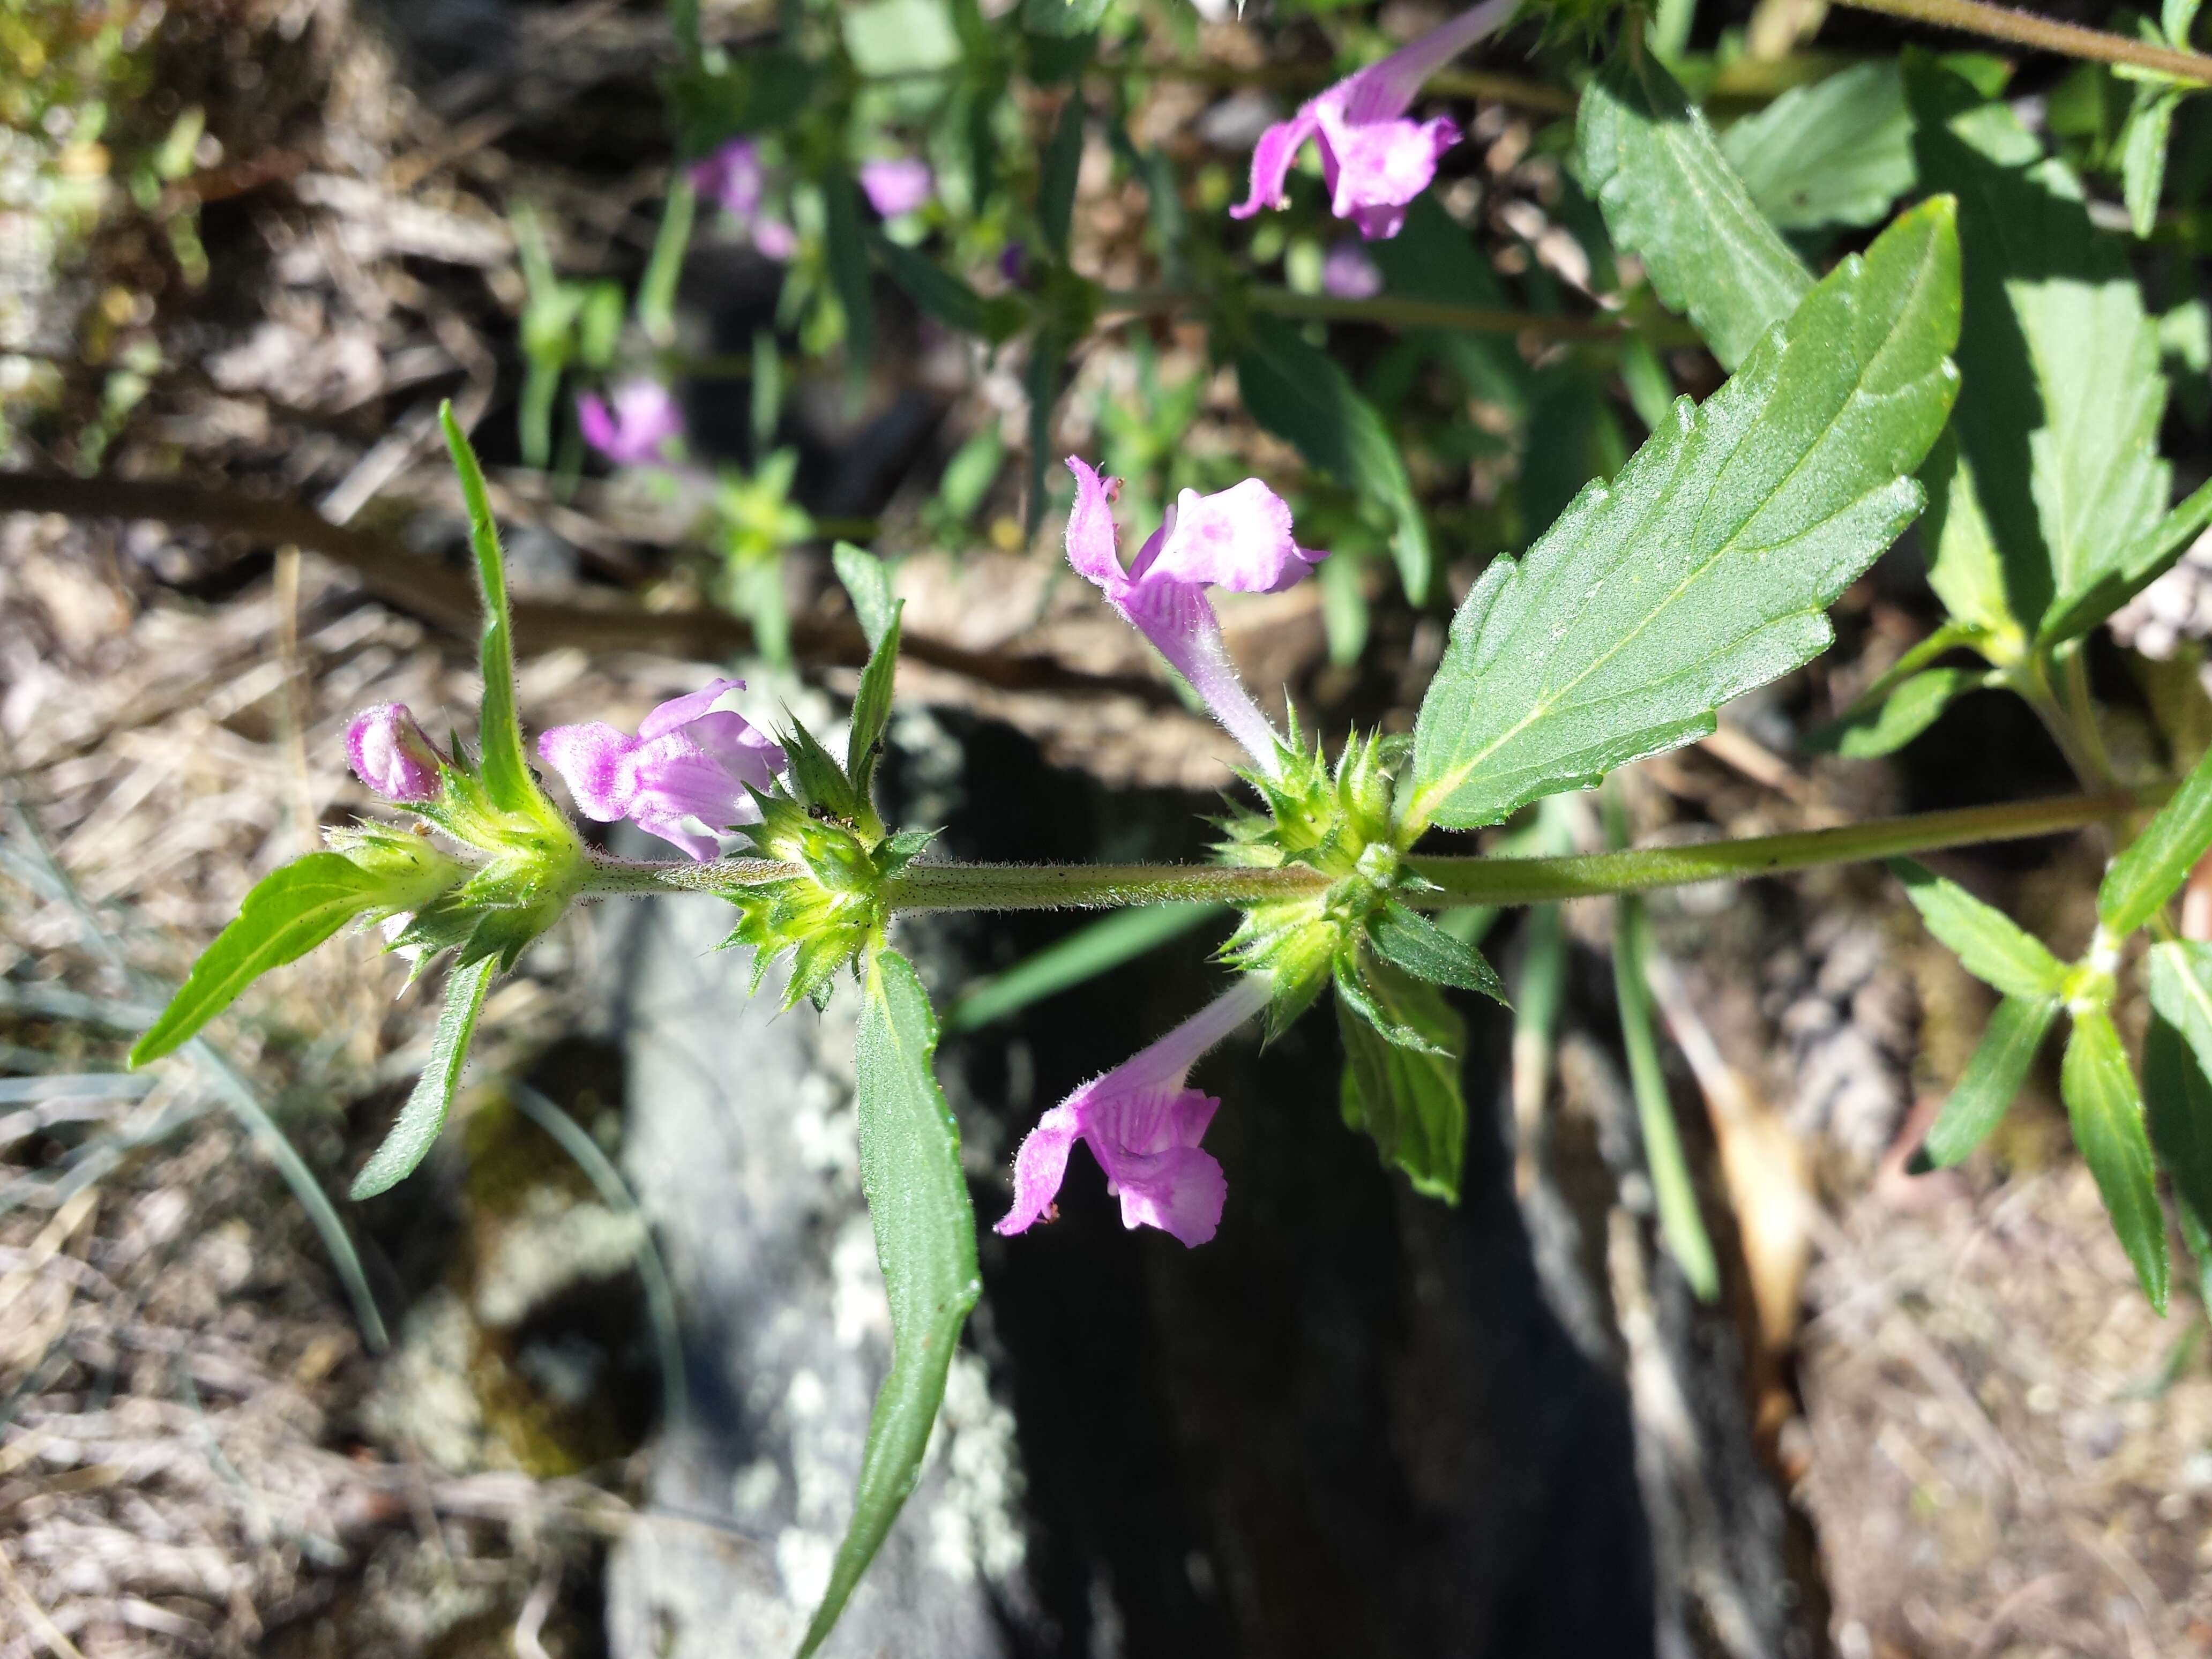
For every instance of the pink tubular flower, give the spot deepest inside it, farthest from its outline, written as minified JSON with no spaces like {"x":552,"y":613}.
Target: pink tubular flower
{"x":733,"y":176}
{"x":1143,"y":1125}
{"x":1238,"y":538}
{"x":896,"y":187}
{"x":689,"y":760}
{"x":1373,"y":160}
{"x":642,"y":421}
{"x":1348,"y":274}
{"x":774,"y":240}
{"x":391,"y":754}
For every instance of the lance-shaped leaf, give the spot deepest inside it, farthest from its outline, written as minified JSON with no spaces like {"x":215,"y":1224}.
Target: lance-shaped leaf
{"x":289,"y":912}
{"x":1411,"y":943}
{"x":926,"y":1246}
{"x":1063,"y":160}
{"x":2059,"y":415}
{"x":432,"y":1097}
{"x":2152,"y":554}
{"x":1990,"y":945}
{"x":2107,"y":1116}
{"x":1705,"y":568}
{"x":506,"y":776}
{"x":846,"y":248}
{"x":1669,"y":195}
{"x":2177,"y":1088}
{"x":872,"y":708}
{"x":1990,"y":1082}
{"x":946,"y":297}
{"x":1298,"y":392}
{"x":1887,"y":724}
{"x":1407,"y":1099}
{"x":2157,"y":862}
{"x":1838,"y":152}
{"x":867,"y":582}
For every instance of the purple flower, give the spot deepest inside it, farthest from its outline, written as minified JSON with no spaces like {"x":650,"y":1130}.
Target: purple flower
{"x":896,"y":187}
{"x":1349,"y":274}
{"x":644,"y":418}
{"x":689,"y":760}
{"x":732,"y":176}
{"x":391,"y":754}
{"x":1143,"y":1125}
{"x":1373,"y":160}
{"x":1238,"y":538}
{"x":774,"y":240}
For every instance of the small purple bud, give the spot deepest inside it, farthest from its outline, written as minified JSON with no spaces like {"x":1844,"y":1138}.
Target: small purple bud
{"x":1014,"y":262}
{"x":733,"y":176}
{"x":642,"y":420}
{"x":391,"y":754}
{"x":1349,"y":274}
{"x":896,"y":187}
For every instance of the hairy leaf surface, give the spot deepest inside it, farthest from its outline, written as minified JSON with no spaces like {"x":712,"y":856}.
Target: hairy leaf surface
{"x":507,"y":777}
{"x":1990,"y":945}
{"x":1407,"y":1099}
{"x":1668,"y":195}
{"x":1705,"y":568}
{"x":926,"y":1246}
{"x":432,"y":1097}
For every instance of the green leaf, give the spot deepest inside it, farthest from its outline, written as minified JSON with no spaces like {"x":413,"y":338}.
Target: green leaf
{"x":2176,"y":1089}
{"x":1298,"y":392}
{"x":1063,"y":160}
{"x":757,"y":90}
{"x":867,"y":582}
{"x":846,"y":250}
{"x":1042,"y":381}
{"x":1704,"y":568}
{"x":1990,"y":1082}
{"x":901,"y":36}
{"x":1669,"y":195}
{"x":2159,"y":859}
{"x":1407,"y":1099}
{"x":946,"y":297}
{"x":2059,"y":414}
{"x":1837,"y":152}
{"x":1345,"y":613}
{"x":1363,"y":985}
{"x":507,"y":777}
{"x":1410,"y":942}
{"x":2142,"y":155}
{"x":1673,"y":1190}
{"x":289,"y":912}
{"x":926,"y":1246}
{"x":1433,"y":257}
{"x":432,"y":1097}
{"x":871,"y":707}
{"x":1990,"y":945}
{"x":2107,"y":1116}
{"x":2152,"y":554}
{"x":1085,"y":954}
{"x":1063,"y":18}
{"x":1964,"y":566}
{"x":1885,"y":726}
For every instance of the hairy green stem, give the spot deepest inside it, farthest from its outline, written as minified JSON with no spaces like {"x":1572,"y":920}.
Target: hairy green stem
{"x":2022,"y":28}
{"x":1457,"y":880}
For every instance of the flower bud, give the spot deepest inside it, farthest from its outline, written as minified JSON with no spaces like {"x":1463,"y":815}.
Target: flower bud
{"x":391,"y":754}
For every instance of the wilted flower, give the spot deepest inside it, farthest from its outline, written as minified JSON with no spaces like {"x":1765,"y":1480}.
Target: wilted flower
{"x":390,"y":753}
{"x":1143,"y":1125}
{"x":896,"y":187}
{"x":688,"y":761}
{"x":1349,"y":274}
{"x":642,"y":420}
{"x":1238,"y":538}
{"x":1373,"y":160}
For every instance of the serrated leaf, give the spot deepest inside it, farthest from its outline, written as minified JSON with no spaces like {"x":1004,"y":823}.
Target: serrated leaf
{"x":1888,"y":725}
{"x":1299,"y":393}
{"x":1408,"y":1100}
{"x":1990,"y":944}
{"x":847,"y":251}
{"x":1838,"y":152}
{"x":432,"y":1097}
{"x":872,"y":708}
{"x":2152,"y":554}
{"x":867,"y":582}
{"x":2177,"y":1091}
{"x":506,"y":774}
{"x":1669,"y":195}
{"x":2159,"y":859}
{"x":1705,"y":568}
{"x":2107,"y":1116}
{"x":1063,"y":160}
{"x":289,"y":912}
{"x":2059,"y":414}
{"x":925,"y":1244}
{"x":1410,"y":942}
{"x":1992,"y":1081}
